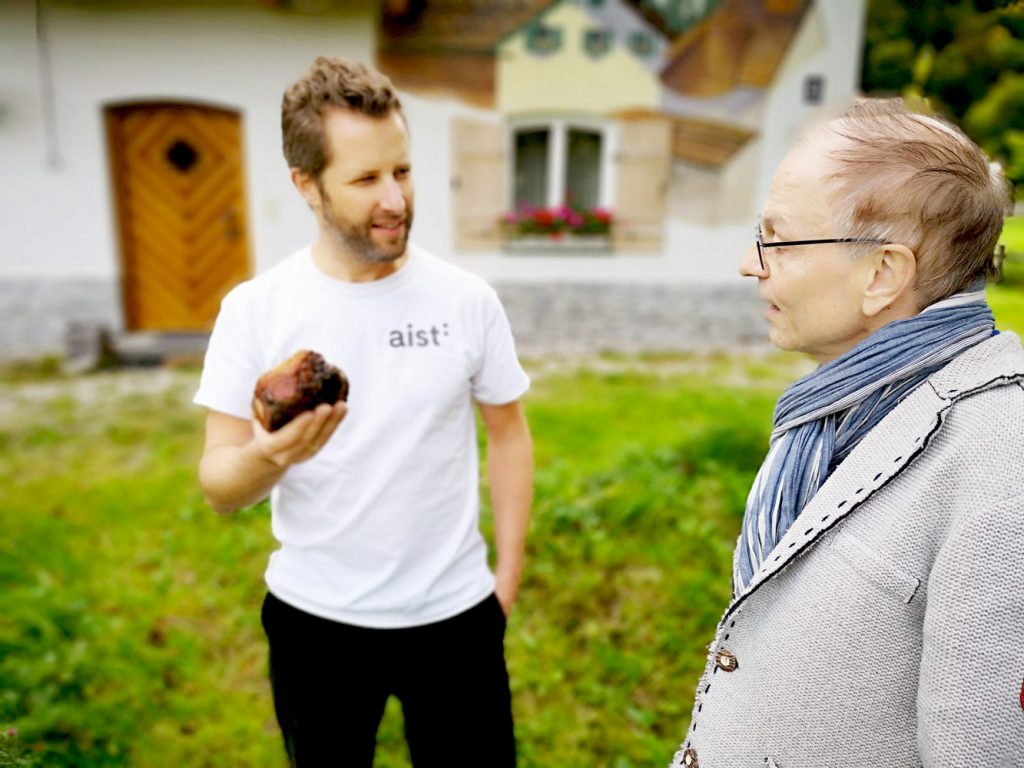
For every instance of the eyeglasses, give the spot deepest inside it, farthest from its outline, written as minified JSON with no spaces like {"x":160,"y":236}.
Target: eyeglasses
{"x":761,"y":244}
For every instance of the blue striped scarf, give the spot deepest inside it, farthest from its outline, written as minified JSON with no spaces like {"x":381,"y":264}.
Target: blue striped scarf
{"x":823,"y":416}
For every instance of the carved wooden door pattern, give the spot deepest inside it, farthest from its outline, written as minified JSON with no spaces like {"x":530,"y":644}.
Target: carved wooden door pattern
{"x":177,"y":172}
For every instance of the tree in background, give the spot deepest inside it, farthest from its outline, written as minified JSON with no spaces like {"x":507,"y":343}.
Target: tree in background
{"x":963,"y":58}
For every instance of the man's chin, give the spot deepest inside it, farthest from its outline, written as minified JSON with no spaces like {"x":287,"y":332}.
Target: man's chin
{"x":387,"y":254}
{"x":371,"y":251}
{"x":369,"y":245}
{"x":389,"y":248}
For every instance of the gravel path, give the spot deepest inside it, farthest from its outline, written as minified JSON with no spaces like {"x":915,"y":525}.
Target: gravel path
{"x":18,"y":400}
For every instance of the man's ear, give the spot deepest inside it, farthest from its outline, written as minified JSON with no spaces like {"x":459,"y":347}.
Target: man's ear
{"x":889,"y":283}
{"x":307,"y":187}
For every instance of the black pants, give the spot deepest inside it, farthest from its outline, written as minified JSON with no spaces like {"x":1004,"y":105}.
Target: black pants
{"x":332,"y":680}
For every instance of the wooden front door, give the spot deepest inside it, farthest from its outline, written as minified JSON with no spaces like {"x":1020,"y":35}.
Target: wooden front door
{"x":178,"y":179}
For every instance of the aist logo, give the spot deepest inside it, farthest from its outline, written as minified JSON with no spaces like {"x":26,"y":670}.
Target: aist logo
{"x":418,"y":337}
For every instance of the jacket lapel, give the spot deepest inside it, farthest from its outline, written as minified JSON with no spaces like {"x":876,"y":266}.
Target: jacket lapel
{"x":883,"y":453}
{"x":891,"y":447}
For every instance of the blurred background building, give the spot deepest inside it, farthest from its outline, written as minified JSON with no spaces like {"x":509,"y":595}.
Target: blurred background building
{"x":601,"y":162}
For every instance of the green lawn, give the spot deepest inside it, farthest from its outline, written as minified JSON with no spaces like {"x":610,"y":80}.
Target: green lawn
{"x":1013,"y":236}
{"x":130,"y":634}
{"x":1007,"y":298}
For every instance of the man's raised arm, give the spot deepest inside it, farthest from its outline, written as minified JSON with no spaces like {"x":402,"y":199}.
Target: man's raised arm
{"x":241,"y":461}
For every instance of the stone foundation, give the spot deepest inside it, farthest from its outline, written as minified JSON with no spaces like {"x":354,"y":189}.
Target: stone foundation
{"x":37,"y":312}
{"x":580,"y":318}
{"x":547,"y":318}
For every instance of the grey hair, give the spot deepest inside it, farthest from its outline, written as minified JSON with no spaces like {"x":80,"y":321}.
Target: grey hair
{"x":919,"y":181}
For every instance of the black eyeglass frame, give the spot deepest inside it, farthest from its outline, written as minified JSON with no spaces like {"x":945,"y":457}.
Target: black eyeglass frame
{"x":761,"y":244}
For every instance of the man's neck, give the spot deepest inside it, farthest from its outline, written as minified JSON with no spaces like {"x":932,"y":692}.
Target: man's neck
{"x":342,"y":265}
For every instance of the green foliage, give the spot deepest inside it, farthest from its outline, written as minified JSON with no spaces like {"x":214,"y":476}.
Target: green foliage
{"x":1007,"y":298}
{"x":41,"y":368}
{"x":966,"y":58}
{"x":12,"y":753}
{"x":988,"y":118}
{"x":1013,"y":141}
{"x":891,"y":63}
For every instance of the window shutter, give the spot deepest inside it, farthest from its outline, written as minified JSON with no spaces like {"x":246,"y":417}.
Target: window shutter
{"x":479,"y":180}
{"x":643,"y":164}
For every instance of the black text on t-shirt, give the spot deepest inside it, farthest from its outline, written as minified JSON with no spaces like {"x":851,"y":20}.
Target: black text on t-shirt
{"x":418,"y":337}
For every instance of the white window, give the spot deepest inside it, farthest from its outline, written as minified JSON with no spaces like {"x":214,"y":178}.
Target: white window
{"x":561,"y":161}
{"x":623,"y":164}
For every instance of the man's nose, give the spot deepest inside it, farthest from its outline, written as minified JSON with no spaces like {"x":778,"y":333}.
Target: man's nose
{"x":750,"y":264}
{"x":393,"y":197}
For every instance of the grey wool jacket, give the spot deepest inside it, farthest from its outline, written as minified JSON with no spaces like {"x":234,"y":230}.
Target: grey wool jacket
{"x":886,"y":629}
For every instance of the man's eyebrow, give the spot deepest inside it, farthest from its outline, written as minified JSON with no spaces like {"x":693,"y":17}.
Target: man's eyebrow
{"x":360,"y":174}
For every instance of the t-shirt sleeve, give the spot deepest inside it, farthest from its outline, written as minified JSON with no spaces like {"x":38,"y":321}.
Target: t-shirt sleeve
{"x":499,"y":378}
{"x":232,"y":365}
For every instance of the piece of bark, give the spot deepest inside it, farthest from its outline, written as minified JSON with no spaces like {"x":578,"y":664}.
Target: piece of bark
{"x":300,"y":383}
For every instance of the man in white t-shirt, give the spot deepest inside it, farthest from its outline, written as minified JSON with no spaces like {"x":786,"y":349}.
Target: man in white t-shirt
{"x":380,"y":585}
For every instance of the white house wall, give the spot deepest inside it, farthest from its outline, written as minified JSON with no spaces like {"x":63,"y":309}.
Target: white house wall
{"x":60,"y":218}
{"x":429,"y":125}
{"x":828,"y":44}
{"x":699,"y":253}
{"x":59,"y":221}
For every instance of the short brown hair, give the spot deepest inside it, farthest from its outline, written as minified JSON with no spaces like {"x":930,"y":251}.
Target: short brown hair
{"x":330,"y":83}
{"x":919,"y":181}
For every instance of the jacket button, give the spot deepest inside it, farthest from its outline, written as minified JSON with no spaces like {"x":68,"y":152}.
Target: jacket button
{"x":690,"y":758}
{"x":726,"y":661}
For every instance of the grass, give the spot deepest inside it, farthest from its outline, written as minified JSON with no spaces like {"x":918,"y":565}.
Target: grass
{"x":1013,"y":236}
{"x":1007,"y":298}
{"x":129,"y":629}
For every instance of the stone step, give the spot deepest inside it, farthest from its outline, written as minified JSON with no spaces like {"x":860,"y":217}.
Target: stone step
{"x":91,"y":346}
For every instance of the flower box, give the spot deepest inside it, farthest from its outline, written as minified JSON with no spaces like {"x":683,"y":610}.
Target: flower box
{"x":563,"y":220}
{"x":557,"y":231}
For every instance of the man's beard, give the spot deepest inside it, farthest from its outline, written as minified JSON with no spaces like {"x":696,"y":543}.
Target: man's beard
{"x":357,"y":239}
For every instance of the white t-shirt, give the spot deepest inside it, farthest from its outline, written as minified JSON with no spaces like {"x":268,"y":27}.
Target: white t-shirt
{"x":380,"y":528}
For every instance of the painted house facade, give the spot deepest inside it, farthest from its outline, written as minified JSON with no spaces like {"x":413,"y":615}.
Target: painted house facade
{"x":141,"y":145}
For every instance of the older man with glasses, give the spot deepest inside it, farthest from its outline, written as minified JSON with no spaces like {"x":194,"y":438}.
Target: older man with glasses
{"x":878,"y":608}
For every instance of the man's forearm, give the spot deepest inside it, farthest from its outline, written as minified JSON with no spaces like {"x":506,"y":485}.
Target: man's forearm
{"x":242,"y":461}
{"x":233,"y":477}
{"x":510,"y":471}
